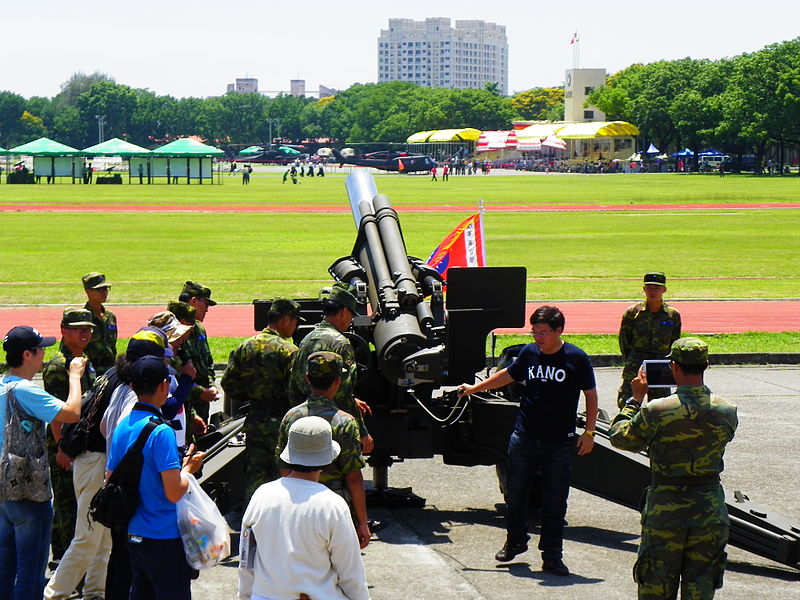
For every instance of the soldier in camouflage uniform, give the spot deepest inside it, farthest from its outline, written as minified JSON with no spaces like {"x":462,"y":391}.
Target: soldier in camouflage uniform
{"x":258,"y":375}
{"x":76,"y":332}
{"x":339,"y":308}
{"x":102,"y":350}
{"x":685,"y":520}
{"x":325,"y":372}
{"x":647,"y":330}
{"x":196,"y":348}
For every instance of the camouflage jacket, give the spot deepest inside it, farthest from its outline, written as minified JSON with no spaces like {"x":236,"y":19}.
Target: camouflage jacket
{"x":102,"y":349}
{"x":258,"y":373}
{"x":55,"y":374}
{"x":326,"y":337}
{"x":345,"y":432}
{"x":685,"y":434}
{"x":196,"y":348}
{"x":644,"y":334}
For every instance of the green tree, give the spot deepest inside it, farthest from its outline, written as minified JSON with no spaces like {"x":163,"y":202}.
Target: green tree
{"x":78,"y":83}
{"x":114,"y":101}
{"x":11,"y":108}
{"x":69,"y":127}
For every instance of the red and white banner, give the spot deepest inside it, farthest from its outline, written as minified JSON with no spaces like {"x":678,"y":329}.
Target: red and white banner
{"x":463,"y":247}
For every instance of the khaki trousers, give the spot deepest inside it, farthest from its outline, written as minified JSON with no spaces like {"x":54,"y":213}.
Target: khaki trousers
{"x":90,"y":548}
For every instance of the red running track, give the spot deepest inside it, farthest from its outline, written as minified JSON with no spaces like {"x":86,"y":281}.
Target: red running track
{"x":236,"y":320}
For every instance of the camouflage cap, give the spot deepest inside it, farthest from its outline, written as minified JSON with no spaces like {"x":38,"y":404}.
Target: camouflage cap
{"x":94,"y":281}
{"x":325,"y":364}
{"x":197,"y":290}
{"x":344,"y":294}
{"x":285,"y":307}
{"x":689,"y":351}
{"x":182,"y":310}
{"x":655,"y":278}
{"x":76,"y":317}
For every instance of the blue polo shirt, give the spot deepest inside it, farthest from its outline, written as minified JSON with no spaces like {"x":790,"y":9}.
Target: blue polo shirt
{"x":155,"y":517}
{"x":33,"y":400}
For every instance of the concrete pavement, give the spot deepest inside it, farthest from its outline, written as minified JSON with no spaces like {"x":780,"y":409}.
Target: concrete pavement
{"x":445,"y":551}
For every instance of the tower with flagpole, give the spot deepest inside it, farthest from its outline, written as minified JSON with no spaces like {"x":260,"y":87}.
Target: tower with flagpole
{"x":578,"y":84}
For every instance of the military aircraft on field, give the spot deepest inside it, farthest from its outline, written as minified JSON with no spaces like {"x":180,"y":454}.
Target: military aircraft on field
{"x":283,"y":155}
{"x":389,"y":160}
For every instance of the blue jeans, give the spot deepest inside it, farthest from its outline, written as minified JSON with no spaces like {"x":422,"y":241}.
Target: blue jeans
{"x":526,"y":454}
{"x":25,"y":528}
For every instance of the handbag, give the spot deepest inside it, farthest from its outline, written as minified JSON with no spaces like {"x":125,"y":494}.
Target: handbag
{"x":24,"y":468}
{"x":115,"y":502}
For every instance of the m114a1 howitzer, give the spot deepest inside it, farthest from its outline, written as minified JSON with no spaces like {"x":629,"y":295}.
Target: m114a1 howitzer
{"x":413,"y":343}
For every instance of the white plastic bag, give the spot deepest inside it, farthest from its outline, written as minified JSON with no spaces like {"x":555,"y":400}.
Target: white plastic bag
{"x":204,"y":531}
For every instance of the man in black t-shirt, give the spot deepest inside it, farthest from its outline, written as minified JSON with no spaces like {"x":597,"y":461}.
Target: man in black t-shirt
{"x":554,"y":373}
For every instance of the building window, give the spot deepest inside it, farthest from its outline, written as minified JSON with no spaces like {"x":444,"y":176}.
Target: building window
{"x":587,"y":90}
{"x":588,"y":114}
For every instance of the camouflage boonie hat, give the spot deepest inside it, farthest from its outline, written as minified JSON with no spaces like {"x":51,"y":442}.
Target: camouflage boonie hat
{"x":655,"y":278}
{"x":689,"y":351}
{"x":196,"y":290}
{"x":182,"y":310}
{"x":285,"y":307}
{"x":94,"y":281}
{"x":344,"y":294}
{"x":325,"y":364}
{"x":76,"y":317}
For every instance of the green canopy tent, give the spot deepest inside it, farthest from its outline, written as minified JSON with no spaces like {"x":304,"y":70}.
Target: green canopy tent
{"x":185,"y":157}
{"x":52,"y":159}
{"x":252,"y":150}
{"x":136,"y":156}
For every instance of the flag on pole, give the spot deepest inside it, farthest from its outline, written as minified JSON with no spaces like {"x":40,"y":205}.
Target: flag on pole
{"x":574,"y":38}
{"x":463,"y":247}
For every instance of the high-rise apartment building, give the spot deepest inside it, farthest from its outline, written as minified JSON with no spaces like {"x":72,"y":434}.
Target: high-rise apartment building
{"x":244,"y":85}
{"x":432,"y":53}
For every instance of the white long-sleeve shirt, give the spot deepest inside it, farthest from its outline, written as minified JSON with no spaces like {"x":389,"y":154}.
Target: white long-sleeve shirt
{"x":306,"y":544}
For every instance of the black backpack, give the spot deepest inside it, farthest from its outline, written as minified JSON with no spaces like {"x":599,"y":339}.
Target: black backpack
{"x":114,"y":504}
{"x":85,"y":435}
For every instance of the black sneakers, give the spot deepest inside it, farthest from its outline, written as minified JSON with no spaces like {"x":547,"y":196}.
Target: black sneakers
{"x":555,"y":566}
{"x":510,"y":550}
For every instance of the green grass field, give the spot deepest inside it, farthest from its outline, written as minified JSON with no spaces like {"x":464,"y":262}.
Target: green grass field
{"x":412,"y":190}
{"x":569,"y":255}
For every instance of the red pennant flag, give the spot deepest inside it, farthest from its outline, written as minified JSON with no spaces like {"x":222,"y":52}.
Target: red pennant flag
{"x":463,"y":247}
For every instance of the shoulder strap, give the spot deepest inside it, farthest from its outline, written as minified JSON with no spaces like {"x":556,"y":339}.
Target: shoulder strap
{"x":151,"y":424}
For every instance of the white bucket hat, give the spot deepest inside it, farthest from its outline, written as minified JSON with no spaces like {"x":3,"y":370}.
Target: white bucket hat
{"x":310,"y":443}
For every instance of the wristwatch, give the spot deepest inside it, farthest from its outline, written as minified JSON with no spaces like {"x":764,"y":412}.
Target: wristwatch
{"x":589,"y":432}
{"x":632,"y":403}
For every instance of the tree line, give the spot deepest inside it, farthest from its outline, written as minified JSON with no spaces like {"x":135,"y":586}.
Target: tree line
{"x":747,"y":104}
{"x":385,"y":112}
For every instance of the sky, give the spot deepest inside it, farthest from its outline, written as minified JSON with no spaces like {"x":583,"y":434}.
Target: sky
{"x":195,"y":48}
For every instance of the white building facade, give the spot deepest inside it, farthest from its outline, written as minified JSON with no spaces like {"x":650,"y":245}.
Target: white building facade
{"x":578,"y":84}
{"x":434,"y":54}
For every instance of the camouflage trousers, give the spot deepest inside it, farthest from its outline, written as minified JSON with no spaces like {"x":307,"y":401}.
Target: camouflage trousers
{"x":65,"y":505}
{"x":259,"y":454}
{"x":682,"y":546}
{"x":629,"y":372}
